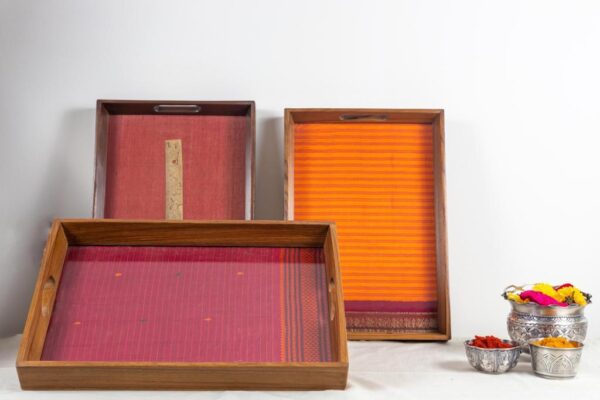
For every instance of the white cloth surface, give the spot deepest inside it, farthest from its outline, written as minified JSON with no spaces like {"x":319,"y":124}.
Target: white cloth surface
{"x":378,"y":370}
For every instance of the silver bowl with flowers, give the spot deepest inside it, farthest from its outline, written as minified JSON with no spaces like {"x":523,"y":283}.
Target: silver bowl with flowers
{"x":542,"y":310}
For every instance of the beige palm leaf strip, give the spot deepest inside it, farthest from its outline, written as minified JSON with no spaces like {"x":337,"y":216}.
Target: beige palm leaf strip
{"x":174,"y":179}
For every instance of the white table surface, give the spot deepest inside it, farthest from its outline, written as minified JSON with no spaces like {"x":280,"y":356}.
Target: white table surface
{"x":378,"y":370}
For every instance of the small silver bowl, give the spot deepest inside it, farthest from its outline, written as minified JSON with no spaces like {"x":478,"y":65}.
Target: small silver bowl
{"x":553,"y":362}
{"x":493,"y":361}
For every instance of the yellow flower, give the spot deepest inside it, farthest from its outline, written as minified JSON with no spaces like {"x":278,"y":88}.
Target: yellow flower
{"x":548,"y":290}
{"x":571,"y":292}
{"x":565,"y":292}
{"x":578,"y":297}
{"x":516,"y":298}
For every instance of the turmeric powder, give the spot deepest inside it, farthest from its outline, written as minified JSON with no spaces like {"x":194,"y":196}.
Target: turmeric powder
{"x":557,"y":342}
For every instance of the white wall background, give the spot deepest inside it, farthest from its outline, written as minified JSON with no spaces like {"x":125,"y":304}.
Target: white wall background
{"x":518,"y":80}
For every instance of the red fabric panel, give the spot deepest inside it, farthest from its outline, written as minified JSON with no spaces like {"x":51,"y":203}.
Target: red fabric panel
{"x":392,"y":322}
{"x":214,"y":165}
{"x":305,"y":299}
{"x":196,"y":304}
{"x":391,"y":316}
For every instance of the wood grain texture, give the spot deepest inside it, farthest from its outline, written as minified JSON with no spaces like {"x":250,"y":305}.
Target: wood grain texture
{"x":109,"y":110}
{"x":194,"y":233}
{"x":251,"y":163}
{"x":42,"y":302}
{"x":288,"y":172}
{"x":441,"y":230}
{"x":52,"y":375}
{"x":336,"y":297}
{"x":57,"y":375}
{"x":142,"y":107}
{"x":295,"y":118}
{"x":100,"y":162}
{"x":361,"y":115}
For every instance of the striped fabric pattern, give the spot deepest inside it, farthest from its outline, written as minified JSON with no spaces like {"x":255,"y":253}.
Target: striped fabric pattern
{"x":375,"y":180}
{"x":303,"y":299}
{"x":194,"y":304}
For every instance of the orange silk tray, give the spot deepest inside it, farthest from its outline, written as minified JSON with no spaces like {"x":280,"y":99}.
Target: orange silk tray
{"x":379,"y":174}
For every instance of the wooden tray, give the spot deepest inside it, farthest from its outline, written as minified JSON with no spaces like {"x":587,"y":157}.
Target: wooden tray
{"x":379,"y":174}
{"x":216,"y":142}
{"x":186,"y":305}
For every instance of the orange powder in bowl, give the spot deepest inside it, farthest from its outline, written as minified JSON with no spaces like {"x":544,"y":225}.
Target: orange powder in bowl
{"x":557,"y":342}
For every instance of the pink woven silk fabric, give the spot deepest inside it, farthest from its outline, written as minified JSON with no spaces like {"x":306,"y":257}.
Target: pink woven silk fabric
{"x":194,"y":304}
{"x":214,"y":165}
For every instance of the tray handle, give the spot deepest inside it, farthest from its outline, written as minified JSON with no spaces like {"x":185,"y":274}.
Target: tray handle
{"x":332,"y":296}
{"x":177,"y":109}
{"x":513,"y":288}
{"x":48,"y":293}
{"x":363,"y":117}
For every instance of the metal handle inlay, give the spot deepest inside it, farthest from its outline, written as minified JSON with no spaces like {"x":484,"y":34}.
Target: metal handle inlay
{"x":177,"y":109}
{"x":363,"y":117}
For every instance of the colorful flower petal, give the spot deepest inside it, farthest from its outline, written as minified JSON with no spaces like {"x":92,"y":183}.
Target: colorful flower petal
{"x":541,"y":298}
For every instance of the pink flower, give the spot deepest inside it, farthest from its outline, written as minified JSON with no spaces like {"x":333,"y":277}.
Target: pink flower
{"x":541,"y":298}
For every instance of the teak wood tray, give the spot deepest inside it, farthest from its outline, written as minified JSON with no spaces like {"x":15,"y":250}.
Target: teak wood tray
{"x":217,"y":142}
{"x":379,"y":174}
{"x":99,"y":301}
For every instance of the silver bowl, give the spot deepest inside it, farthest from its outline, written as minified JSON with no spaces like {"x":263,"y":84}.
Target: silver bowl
{"x":493,"y":361}
{"x":529,"y":321}
{"x":555,"y":363}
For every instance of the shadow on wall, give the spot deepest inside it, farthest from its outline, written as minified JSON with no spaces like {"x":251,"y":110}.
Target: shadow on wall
{"x":269,"y":169}
{"x":66,"y":193}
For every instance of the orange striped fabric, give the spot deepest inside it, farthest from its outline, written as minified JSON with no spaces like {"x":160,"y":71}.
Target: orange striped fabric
{"x":375,"y":180}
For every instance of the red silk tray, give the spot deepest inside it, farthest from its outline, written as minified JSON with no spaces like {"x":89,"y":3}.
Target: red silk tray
{"x":196,"y":304}
{"x":217,"y":140}
{"x":116,"y":298}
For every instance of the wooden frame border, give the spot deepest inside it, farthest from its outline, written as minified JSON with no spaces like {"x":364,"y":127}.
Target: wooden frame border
{"x":105,"y":108}
{"x":435,"y":117}
{"x":36,"y":374}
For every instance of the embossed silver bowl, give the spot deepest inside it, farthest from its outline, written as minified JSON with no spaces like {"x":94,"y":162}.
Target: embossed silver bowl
{"x":555,"y":363}
{"x":493,"y":361}
{"x":530,"y":321}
